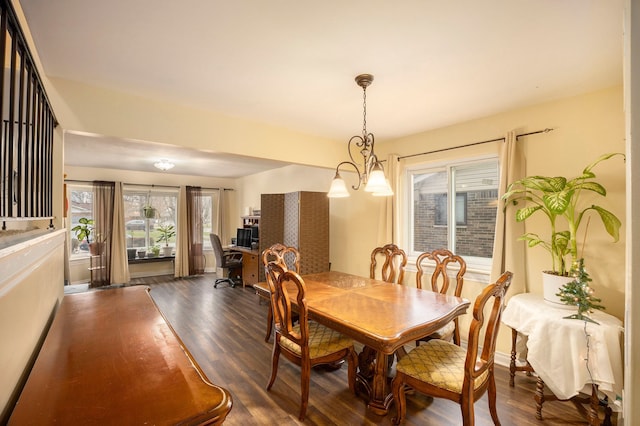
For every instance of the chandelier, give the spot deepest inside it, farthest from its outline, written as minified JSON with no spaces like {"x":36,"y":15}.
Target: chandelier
{"x":370,"y":171}
{"x":163,"y":165}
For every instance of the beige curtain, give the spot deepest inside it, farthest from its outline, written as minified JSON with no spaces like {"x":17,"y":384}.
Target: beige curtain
{"x":103,"y":193}
{"x":182,"y":240}
{"x":119,"y":261}
{"x":508,"y":252}
{"x":224,"y":203}
{"x":388,"y":228}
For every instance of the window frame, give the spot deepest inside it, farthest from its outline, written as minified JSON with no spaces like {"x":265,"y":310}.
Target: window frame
{"x":478,"y":268}
{"x":71,"y":187}
{"x":152,"y":191}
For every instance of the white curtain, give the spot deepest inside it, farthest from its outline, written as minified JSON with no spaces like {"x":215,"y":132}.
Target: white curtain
{"x":119,"y":261}
{"x":508,"y":252}
{"x":388,"y":228}
{"x":182,"y":239}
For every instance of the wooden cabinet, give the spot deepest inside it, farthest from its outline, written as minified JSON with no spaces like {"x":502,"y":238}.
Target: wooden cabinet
{"x":297,"y":219}
{"x":250,"y":267}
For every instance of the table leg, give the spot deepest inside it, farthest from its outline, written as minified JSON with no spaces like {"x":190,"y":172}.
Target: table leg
{"x":372,"y":379}
{"x":539,"y":397}
{"x":512,"y":365}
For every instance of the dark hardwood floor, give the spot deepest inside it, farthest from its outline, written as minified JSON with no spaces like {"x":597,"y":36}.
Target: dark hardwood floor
{"x":224,"y":330}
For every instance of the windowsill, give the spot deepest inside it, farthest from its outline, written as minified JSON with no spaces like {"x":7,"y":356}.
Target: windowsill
{"x":151,"y":259}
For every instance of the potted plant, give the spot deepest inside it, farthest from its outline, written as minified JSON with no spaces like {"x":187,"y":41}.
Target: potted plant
{"x":155,"y":251}
{"x":560,"y":199}
{"x":149,"y":212}
{"x":167,"y":232}
{"x":83,"y":231}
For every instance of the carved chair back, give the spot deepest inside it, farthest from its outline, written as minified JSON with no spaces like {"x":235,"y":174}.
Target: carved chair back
{"x":393,"y":260}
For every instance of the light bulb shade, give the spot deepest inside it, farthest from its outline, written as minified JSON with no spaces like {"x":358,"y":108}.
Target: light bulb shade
{"x":164,"y":165}
{"x":338,"y":188}
{"x":386,"y":192}
{"x":376,"y":181}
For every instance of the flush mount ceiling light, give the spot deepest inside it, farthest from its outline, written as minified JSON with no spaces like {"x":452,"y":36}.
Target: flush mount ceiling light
{"x":370,"y":171}
{"x":163,"y":165}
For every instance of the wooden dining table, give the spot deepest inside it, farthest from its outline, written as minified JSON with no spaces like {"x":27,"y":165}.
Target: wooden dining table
{"x":111,"y":358}
{"x":381,"y":316}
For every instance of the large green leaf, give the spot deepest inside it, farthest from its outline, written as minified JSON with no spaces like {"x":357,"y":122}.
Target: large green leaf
{"x":525,"y":212}
{"x":611,"y":223}
{"x":591,"y":186}
{"x":557,"y":202}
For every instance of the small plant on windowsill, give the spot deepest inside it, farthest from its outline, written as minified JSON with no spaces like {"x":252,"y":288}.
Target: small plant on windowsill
{"x":167,"y":232}
{"x":155,"y":250}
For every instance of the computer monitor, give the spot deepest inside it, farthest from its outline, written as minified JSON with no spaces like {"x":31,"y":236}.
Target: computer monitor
{"x":243,"y":237}
{"x":255,"y":233}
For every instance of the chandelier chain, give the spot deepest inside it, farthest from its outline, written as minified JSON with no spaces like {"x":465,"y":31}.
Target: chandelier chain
{"x":364,"y":114}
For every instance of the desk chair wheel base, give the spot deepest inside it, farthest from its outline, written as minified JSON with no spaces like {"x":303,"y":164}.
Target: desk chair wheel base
{"x":231,"y":282}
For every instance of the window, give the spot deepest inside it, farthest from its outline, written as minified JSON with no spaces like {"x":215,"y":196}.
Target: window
{"x":209,"y":216}
{"x":441,"y":209}
{"x":473,"y":187}
{"x":80,"y":205}
{"x":141,"y":228}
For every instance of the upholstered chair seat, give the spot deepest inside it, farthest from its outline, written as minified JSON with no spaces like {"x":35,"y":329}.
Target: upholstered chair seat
{"x":444,"y":333}
{"x":439,"y":363}
{"x":323,"y":341}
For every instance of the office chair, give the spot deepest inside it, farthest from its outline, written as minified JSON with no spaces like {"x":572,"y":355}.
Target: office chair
{"x":225,"y":259}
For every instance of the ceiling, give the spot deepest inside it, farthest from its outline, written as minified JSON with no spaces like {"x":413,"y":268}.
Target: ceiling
{"x":292,"y":63}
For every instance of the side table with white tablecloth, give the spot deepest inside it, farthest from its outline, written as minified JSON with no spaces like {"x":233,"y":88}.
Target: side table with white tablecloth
{"x":559,"y":349}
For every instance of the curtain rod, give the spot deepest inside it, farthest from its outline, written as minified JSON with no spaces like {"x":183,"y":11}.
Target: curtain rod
{"x":547,"y":130}
{"x":143,"y":184}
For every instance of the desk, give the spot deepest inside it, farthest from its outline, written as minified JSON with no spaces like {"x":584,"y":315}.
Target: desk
{"x":111,"y":358}
{"x":250,"y":263}
{"x":382,"y":316}
{"x":557,"y":347}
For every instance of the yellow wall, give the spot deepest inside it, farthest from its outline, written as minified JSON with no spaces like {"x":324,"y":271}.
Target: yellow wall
{"x":585,"y":127}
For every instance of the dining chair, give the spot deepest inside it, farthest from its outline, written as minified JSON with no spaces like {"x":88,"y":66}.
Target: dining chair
{"x":440,"y":281}
{"x":306,"y":343}
{"x":393,"y":260}
{"x":226,"y":260}
{"x":445,"y":370}
{"x":288,"y":258}
{"x":285,"y":256}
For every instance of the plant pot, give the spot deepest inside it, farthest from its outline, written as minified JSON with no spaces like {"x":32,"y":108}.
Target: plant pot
{"x":142,"y":254}
{"x":96,"y":249}
{"x":131,"y":253}
{"x":166,"y":251}
{"x":551,"y":284}
{"x":149,"y":212}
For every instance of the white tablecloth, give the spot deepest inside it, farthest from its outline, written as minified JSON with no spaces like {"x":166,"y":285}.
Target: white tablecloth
{"x":557,"y":347}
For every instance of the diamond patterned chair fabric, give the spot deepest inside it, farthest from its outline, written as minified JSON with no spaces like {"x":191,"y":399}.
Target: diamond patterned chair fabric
{"x":440,"y":282}
{"x":394,"y":261}
{"x":307,"y":343}
{"x":442,"y":369}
